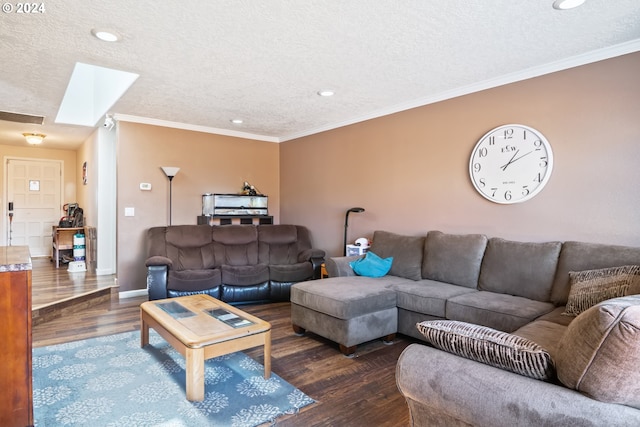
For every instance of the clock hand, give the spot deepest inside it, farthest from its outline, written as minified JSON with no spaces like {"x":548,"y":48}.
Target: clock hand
{"x":516,"y":159}
{"x":504,"y":167}
{"x":523,"y":156}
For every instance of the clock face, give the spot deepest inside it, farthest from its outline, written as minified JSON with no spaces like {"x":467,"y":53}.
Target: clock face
{"x":511,"y":164}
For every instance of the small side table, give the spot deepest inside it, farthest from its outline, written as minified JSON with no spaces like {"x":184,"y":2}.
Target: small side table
{"x":323,"y":271}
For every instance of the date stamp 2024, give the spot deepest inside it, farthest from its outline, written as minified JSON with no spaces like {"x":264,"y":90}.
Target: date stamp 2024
{"x":24,"y":8}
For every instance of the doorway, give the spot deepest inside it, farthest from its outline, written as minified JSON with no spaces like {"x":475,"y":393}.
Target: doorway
{"x":34,"y":193}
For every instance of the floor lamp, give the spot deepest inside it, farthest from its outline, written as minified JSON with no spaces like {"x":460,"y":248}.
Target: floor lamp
{"x":170,"y":171}
{"x":346,"y":225}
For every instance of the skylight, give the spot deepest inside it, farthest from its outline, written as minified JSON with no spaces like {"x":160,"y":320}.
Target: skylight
{"x":92,"y":90}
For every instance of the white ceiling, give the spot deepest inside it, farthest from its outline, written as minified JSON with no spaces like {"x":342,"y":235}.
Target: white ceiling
{"x":204,"y":62}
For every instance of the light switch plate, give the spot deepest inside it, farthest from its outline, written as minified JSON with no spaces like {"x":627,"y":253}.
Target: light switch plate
{"x":129,"y":211}
{"x":145,"y":186}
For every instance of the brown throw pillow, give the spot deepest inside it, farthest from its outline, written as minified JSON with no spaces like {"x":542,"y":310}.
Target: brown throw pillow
{"x":489,"y":346}
{"x":599,"y":353}
{"x":590,"y":287}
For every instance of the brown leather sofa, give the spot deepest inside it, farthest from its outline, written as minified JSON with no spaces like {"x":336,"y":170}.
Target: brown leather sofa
{"x":233,"y":263}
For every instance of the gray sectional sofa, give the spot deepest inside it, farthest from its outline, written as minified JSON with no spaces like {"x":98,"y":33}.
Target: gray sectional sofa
{"x":519,"y":288}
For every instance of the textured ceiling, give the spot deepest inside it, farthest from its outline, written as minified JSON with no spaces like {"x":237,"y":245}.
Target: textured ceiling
{"x":204,"y":62}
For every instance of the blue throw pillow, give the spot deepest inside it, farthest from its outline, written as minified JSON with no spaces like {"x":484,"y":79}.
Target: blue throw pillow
{"x":371,"y":265}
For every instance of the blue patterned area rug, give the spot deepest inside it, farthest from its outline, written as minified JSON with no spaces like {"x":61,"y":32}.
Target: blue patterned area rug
{"x":111,"y":381}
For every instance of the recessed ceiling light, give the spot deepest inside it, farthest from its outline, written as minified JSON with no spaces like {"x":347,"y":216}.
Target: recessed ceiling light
{"x":326,"y":93}
{"x":566,"y":4}
{"x":236,"y":121}
{"x":105,"y":36}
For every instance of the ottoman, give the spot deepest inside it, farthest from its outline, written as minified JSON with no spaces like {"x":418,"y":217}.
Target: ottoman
{"x":347,"y":310}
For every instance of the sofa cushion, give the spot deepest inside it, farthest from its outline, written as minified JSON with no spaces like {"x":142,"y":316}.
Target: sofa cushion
{"x":193,"y":280}
{"x":590,"y":287}
{"x":579,"y":256}
{"x":599,"y":354}
{"x":345,"y":297}
{"x":405,"y":250}
{"x":489,"y":346}
{"x":235,"y":234}
{"x":556,"y":316}
{"x":453,"y":258}
{"x":543,"y":332}
{"x":427,"y":297}
{"x":278,"y":234}
{"x":277,"y":244}
{"x":291,"y":272}
{"x":235,"y":244}
{"x":371,"y":265}
{"x":244,"y":275}
{"x":190,"y":247}
{"x":188,"y":236}
{"x":499,"y":311}
{"x":192,"y":258}
{"x":519,"y":268}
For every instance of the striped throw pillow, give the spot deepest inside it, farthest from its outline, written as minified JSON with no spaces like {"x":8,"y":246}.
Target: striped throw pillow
{"x":591,"y":287}
{"x":489,"y":346}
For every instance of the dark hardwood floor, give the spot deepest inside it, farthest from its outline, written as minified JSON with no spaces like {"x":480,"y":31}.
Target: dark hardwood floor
{"x":358,"y":391}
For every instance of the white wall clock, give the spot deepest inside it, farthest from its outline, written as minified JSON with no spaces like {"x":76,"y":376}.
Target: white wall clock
{"x":511,"y":164}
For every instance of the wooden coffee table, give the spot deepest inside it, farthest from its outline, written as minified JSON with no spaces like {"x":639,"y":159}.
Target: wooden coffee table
{"x":201,"y":327}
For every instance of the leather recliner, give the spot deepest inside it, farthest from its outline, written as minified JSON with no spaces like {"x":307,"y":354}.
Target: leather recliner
{"x":233,"y":263}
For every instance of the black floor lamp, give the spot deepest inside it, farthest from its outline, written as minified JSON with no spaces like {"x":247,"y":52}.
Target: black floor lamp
{"x":346,"y":225}
{"x":170,"y":171}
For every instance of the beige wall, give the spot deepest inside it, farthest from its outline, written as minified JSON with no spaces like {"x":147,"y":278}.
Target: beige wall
{"x":87,"y":194}
{"x":30,"y":152}
{"x":410,"y":170}
{"x":208,"y":164}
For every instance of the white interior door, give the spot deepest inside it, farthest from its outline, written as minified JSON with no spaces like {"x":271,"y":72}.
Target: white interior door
{"x":34,"y":188}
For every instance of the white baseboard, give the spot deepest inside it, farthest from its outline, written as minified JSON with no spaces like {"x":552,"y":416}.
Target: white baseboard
{"x":134,"y":293}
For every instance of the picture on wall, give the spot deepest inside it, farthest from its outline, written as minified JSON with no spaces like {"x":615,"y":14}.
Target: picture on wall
{"x":84,"y":173}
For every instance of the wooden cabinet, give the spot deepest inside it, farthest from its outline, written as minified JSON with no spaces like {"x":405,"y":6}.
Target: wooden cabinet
{"x":16,"y":392}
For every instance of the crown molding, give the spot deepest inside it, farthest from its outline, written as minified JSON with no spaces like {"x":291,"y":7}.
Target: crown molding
{"x":552,"y":67}
{"x":195,"y":128}
{"x":571,"y":62}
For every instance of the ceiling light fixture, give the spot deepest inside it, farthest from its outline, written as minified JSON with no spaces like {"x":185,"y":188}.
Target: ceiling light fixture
{"x":326,"y":93}
{"x":105,"y":36}
{"x":34,"y":138}
{"x":236,"y":121}
{"x":566,"y":4}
